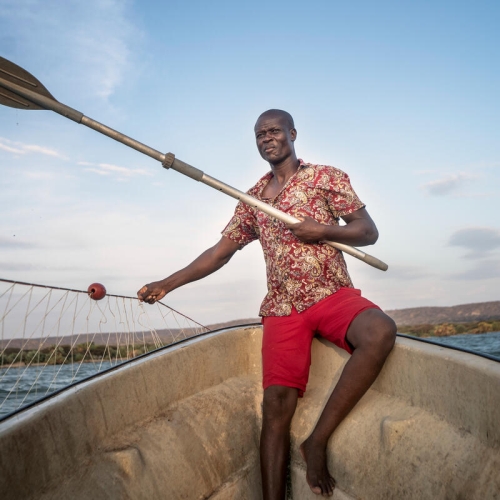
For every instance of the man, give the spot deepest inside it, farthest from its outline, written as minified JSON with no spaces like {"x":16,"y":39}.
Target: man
{"x":309,"y":292}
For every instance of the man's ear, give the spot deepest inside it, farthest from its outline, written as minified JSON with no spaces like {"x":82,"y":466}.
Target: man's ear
{"x":293,"y":134}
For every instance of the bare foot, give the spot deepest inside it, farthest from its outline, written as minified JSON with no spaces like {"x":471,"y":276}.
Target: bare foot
{"x":319,"y":479}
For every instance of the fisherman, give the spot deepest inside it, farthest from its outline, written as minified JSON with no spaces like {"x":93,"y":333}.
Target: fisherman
{"x":309,"y":292}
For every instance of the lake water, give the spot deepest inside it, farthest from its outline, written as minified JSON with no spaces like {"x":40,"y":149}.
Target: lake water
{"x":486,"y":343}
{"x":21,"y":386}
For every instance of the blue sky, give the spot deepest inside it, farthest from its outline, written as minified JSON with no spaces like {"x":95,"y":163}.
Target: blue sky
{"x":403,"y":96}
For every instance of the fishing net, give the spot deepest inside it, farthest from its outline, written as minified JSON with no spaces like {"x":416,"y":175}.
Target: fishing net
{"x":51,"y":337}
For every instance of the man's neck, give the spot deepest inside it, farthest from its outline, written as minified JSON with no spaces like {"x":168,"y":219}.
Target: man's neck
{"x":285,"y":169}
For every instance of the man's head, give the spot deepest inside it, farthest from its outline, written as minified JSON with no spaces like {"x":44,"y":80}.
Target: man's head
{"x":275,"y":134}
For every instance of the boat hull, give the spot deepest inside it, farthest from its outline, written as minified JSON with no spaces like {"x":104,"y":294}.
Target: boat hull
{"x":184,"y":423}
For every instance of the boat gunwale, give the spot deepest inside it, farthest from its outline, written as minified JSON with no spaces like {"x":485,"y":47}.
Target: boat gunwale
{"x":195,"y":338}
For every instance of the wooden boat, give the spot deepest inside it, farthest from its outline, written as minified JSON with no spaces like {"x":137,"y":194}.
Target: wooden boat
{"x":183,"y":422}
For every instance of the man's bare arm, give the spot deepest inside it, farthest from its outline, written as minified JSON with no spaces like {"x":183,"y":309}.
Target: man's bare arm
{"x":207,"y":263}
{"x":360,"y":230}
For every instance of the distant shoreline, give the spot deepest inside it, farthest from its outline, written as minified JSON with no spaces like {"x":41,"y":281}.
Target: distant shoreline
{"x":60,"y":354}
{"x":449,"y":329}
{"x":464,"y":313}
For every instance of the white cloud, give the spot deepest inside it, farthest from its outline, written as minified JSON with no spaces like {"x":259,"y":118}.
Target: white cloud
{"x":13,"y":243}
{"x":94,"y":35}
{"x":16,"y":267}
{"x":424,"y":172}
{"x":20,"y":148}
{"x":408,"y":273}
{"x":483,"y":270}
{"x":38,"y":175}
{"x":447,"y":185}
{"x":479,"y":240}
{"x":40,"y":149}
{"x":482,"y":195}
{"x":97,"y":171}
{"x":124,"y":170}
{"x":108,"y":169}
{"x":10,"y":149}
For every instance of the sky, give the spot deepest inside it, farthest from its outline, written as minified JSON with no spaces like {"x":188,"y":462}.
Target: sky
{"x":401,"y":95}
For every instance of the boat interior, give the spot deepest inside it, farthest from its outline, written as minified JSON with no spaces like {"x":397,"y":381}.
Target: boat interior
{"x":183,"y":422}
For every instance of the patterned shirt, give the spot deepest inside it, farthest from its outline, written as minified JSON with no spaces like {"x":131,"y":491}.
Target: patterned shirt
{"x":298,"y":274}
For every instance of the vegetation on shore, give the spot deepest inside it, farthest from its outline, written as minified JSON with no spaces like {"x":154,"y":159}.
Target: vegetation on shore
{"x":67,"y":354}
{"x":447,"y":329}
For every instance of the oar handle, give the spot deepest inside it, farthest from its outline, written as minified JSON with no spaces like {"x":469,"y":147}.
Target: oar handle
{"x":356,"y":252}
{"x":169,"y":161}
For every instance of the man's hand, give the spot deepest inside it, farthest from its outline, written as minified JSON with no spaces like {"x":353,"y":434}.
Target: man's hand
{"x":308,"y":230}
{"x":152,"y":292}
{"x":359,"y":230}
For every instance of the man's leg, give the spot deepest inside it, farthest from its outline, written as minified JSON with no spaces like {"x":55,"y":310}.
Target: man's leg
{"x":372,"y":334}
{"x":278,"y":409}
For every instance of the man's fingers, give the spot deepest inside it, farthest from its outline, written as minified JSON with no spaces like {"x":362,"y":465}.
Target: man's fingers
{"x":150,"y":299}
{"x":293,"y":225}
{"x":151,"y":293}
{"x":141,"y":292}
{"x":146,"y":295}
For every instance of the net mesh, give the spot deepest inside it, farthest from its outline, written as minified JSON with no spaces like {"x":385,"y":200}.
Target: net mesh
{"x":51,"y":337}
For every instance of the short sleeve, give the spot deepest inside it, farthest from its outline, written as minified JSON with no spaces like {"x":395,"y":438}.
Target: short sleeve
{"x":242,"y":227}
{"x":341,"y":197}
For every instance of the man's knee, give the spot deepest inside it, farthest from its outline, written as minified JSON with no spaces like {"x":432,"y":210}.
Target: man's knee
{"x":373,"y":329}
{"x":279,"y":403}
{"x":387,"y":334}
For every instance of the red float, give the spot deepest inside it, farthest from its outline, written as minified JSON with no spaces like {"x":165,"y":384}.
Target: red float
{"x":96,"y":291}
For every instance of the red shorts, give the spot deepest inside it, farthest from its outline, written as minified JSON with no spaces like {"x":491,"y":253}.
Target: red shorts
{"x":286,"y":343}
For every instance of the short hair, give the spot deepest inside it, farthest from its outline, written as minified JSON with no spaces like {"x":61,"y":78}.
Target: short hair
{"x":284,"y":114}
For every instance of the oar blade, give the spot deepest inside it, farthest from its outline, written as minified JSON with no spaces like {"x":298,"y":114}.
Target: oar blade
{"x":15,"y":74}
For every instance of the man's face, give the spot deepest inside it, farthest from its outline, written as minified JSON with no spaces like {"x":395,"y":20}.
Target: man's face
{"x":274,"y":138}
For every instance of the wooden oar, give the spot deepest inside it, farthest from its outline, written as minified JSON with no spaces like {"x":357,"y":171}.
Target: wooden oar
{"x":20,"y":89}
